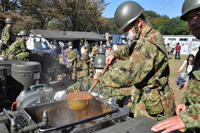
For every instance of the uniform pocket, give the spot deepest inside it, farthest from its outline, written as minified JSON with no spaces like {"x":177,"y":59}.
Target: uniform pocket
{"x":85,"y":66}
{"x":153,"y":102}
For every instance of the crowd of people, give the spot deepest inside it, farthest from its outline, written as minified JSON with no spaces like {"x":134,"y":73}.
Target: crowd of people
{"x":146,"y":69}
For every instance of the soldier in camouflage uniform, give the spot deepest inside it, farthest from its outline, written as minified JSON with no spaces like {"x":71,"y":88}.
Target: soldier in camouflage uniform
{"x":86,"y":60}
{"x":85,"y":83}
{"x":18,"y":50}
{"x":109,"y":51}
{"x":188,"y":112}
{"x":94,"y":49}
{"x":7,"y":36}
{"x":71,"y":57}
{"x":85,"y":41}
{"x":146,"y":69}
{"x":99,"y":51}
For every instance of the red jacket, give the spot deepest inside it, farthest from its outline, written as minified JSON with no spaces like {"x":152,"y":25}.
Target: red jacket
{"x":178,"y":48}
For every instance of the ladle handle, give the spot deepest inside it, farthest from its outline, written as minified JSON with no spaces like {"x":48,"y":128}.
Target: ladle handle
{"x":96,"y":81}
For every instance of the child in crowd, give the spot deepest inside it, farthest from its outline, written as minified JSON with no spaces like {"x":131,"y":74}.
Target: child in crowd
{"x":190,"y":62}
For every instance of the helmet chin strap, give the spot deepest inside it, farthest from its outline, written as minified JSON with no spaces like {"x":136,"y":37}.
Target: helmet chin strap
{"x":136,"y":31}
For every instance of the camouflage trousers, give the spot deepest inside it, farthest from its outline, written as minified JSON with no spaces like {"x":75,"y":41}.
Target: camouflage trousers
{"x":20,"y":56}
{"x":154,"y":103}
{"x":72,"y":69}
{"x":5,"y":53}
{"x":85,"y":70}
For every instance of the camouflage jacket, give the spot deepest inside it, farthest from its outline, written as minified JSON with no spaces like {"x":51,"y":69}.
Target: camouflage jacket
{"x":18,"y":47}
{"x":70,"y":54}
{"x":147,"y":64}
{"x":94,"y":49}
{"x":85,"y":83}
{"x":109,"y":52}
{"x":7,"y":36}
{"x":191,"y":116}
{"x":147,"y":67}
{"x":85,"y":57}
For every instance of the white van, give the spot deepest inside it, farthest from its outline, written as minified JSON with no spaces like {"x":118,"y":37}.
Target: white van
{"x":38,"y":43}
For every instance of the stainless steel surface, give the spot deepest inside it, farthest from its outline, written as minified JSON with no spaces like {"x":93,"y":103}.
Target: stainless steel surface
{"x":4,"y":110}
{"x":61,"y":116}
{"x":29,"y":117}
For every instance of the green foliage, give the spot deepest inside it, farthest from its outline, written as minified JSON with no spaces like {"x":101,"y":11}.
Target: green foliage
{"x":109,"y":26}
{"x":76,"y":15}
{"x":149,"y":15}
{"x":158,"y":21}
{"x":174,"y":26}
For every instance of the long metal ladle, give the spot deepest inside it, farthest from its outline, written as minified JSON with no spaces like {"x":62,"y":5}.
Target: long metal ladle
{"x":96,"y":81}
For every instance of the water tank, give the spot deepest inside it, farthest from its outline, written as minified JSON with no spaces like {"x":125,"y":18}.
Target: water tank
{"x":27,"y":73}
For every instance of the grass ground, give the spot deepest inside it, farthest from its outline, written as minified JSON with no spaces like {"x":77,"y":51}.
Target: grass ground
{"x":174,"y":67}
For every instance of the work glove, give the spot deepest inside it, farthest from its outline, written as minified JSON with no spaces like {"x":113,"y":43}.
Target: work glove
{"x":111,"y":101}
{"x":59,"y":95}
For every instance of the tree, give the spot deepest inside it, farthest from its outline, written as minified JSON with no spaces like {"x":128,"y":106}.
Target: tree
{"x":149,"y":15}
{"x":174,"y":26}
{"x":37,"y":13}
{"x":7,"y":7}
{"x":157,"y":22}
{"x":79,"y":15}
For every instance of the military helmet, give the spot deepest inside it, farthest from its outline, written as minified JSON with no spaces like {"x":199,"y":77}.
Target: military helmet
{"x":126,"y":13}
{"x":23,"y":33}
{"x":9,"y":21}
{"x":100,"y":61}
{"x":70,"y":44}
{"x":188,"y":6}
{"x":101,"y":50}
{"x":87,"y":45}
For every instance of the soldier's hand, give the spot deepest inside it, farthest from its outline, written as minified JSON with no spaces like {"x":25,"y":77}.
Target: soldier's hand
{"x":168,"y":125}
{"x":133,"y":91}
{"x":180,"y":108}
{"x":109,"y":59}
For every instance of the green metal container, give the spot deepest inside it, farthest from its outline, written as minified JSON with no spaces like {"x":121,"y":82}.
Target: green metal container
{"x":27,"y":73}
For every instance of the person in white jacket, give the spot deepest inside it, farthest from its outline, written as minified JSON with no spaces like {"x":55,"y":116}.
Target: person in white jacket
{"x":190,"y":62}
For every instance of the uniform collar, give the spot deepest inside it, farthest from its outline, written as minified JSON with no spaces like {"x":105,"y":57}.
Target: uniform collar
{"x":145,"y":31}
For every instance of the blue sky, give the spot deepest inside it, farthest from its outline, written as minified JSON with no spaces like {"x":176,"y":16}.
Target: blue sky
{"x":171,"y":8}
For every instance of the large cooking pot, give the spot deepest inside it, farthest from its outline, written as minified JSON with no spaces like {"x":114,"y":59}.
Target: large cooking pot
{"x":78,"y":105}
{"x":82,"y":104}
